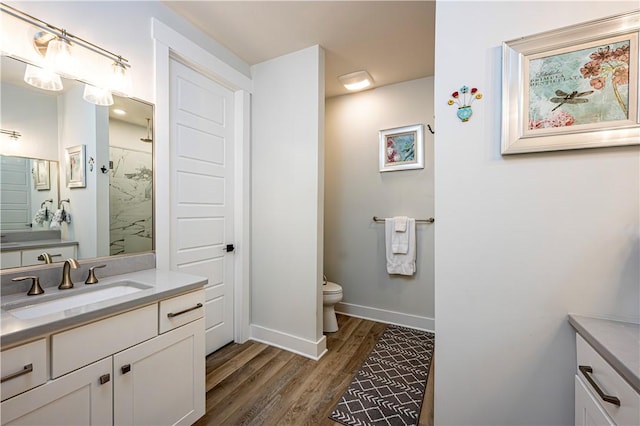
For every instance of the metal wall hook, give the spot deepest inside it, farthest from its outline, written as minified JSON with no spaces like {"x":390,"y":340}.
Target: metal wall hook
{"x":430,"y":129}
{"x":66,"y":200}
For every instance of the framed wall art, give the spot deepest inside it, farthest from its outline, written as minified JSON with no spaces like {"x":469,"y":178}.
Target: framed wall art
{"x":401,"y":148}
{"x":41,"y":176}
{"x":575,"y":87}
{"x":75,"y":165}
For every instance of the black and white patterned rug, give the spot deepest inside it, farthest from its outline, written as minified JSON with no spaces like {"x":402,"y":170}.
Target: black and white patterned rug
{"x":389,"y":387}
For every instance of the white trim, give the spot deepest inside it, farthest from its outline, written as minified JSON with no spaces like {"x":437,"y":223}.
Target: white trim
{"x":389,"y":317}
{"x":288,"y":342}
{"x":242,"y":219}
{"x":199,"y":57}
{"x":169,"y":43}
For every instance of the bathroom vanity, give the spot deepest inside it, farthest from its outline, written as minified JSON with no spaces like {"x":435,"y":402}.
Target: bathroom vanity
{"x":607,"y":378}
{"x":128,"y":350}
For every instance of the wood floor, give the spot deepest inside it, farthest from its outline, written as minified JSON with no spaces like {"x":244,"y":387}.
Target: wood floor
{"x":257,"y":384}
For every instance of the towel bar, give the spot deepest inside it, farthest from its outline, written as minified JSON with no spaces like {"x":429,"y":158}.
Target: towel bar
{"x":430,"y":220}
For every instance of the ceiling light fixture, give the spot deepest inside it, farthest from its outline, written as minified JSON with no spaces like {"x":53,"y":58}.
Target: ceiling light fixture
{"x":119,"y":111}
{"x":55,"y":45}
{"x":356,"y":80}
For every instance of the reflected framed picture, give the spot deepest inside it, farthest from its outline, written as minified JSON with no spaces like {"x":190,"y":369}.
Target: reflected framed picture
{"x":41,"y":176}
{"x":75,"y":165}
{"x":575,"y":87}
{"x":401,"y":148}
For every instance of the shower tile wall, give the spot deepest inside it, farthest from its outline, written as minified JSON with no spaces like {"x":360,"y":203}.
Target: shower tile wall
{"x":130,"y":201}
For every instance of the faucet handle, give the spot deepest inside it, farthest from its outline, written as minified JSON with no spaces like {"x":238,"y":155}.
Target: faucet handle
{"x":91,"y":279}
{"x":35,"y":284}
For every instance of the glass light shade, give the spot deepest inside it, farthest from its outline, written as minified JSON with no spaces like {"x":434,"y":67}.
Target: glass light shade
{"x":120,"y":82}
{"x":59,"y":57}
{"x":97,"y":96}
{"x":42,"y":78}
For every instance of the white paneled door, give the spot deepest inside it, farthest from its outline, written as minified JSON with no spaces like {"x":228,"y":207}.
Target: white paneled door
{"x":202,"y":192}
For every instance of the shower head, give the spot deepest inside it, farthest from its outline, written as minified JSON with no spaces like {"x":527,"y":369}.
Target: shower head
{"x":148,"y":139}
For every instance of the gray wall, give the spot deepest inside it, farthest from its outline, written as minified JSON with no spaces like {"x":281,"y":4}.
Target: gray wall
{"x":286,"y":199}
{"x":355,"y":191}
{"x":521,"y":240}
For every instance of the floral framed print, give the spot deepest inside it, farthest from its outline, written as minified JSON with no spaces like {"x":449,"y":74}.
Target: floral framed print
{"x":75,"y":165}
{"x":576,"y":87}
{"x":401,"y":148}
{"x":41,"y":175}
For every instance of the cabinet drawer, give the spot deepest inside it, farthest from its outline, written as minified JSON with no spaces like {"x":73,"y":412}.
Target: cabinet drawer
{"x":83,"y":345}
{"x":23,"y":367}
{"x":30,"y":257}
{"x":180,"y":310}
{"x":10,"y":259}
{"x":611,"y":383}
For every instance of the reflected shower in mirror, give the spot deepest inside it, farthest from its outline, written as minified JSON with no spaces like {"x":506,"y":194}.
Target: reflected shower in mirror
{"x":113,"y":213}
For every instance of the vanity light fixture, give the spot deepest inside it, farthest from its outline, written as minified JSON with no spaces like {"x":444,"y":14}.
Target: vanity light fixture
{"x":97,"y":95}
{"x":356,"y":80}
{"x":13,"y":135}
{"x":42,"y":78}
{"x":120,"y":81}
{"x":56,"y":45}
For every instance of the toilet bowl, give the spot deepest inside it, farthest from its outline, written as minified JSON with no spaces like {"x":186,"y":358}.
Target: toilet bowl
{"x":331,"y":294}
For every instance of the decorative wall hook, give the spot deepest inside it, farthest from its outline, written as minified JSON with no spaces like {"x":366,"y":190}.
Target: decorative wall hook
{"x":91,"y":163}
{"x":464,"y":98}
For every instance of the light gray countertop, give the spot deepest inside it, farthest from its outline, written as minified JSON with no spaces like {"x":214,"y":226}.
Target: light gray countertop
{"x":616,"y":341}
{"x":27,"y":245}
{"x":163,"y":284}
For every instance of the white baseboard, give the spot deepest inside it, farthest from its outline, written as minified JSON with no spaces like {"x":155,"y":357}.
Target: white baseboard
{"x":389,"y":317}
{"x":288,"y":342}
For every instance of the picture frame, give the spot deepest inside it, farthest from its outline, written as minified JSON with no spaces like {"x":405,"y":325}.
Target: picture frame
{"x":402,"y":148}
{"x":75,"y":162}
{"x":572,"y":88}
{"x":41,"y":175}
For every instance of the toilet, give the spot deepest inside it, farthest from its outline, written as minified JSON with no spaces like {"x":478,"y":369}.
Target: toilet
{"x":331,"y":294}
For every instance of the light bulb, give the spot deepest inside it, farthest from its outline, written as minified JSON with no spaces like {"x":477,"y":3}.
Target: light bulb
{"x":42,"y":78}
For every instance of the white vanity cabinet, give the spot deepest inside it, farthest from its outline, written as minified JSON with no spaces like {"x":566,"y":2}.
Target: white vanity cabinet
{"x":121,"y":370}
{"x":602,"y":396}
{"x":84,"y":397}
{"x":29,"y":257}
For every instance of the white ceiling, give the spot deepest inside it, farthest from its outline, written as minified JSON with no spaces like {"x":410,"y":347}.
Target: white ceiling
{"x":392,"y":40}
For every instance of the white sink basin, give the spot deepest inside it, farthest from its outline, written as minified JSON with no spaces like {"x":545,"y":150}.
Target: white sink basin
{"x":62,"y":303}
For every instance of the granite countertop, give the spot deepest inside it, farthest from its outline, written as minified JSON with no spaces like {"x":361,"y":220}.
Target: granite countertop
{"x":616,"y":341}
{"x":163,"y":284}
{"x":26,"y":245}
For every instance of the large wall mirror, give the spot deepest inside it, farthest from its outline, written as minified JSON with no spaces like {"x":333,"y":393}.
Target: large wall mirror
{"x":109,"y":211}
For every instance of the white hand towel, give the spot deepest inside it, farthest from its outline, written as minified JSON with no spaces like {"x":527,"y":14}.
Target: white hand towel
{"x":400,"y":223}
{"x":400,"y":236}
{"x":57,"y":219}
{"x":41,"y":216}
{"x":401,"y":263}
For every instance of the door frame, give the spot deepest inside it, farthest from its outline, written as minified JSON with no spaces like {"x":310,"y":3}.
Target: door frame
{"x":168,"y":43}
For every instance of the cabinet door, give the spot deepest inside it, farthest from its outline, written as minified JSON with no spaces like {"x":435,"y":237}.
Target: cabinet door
{"x":30,"y":257}
{"x":10,"y":259}
{"x":79,"y":398}
{"x":162,"y":381}
{"x":588,"y":411}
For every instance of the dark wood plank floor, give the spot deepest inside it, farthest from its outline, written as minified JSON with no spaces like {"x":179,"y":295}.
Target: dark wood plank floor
{"x":257,"y":384}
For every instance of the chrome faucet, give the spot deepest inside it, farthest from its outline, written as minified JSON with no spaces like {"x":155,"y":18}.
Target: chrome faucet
{"x":66,"y":282}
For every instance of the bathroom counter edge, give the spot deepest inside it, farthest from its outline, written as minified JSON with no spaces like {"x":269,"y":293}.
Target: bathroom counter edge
{"x":165,"y":284}
{"x":618,"y":342}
